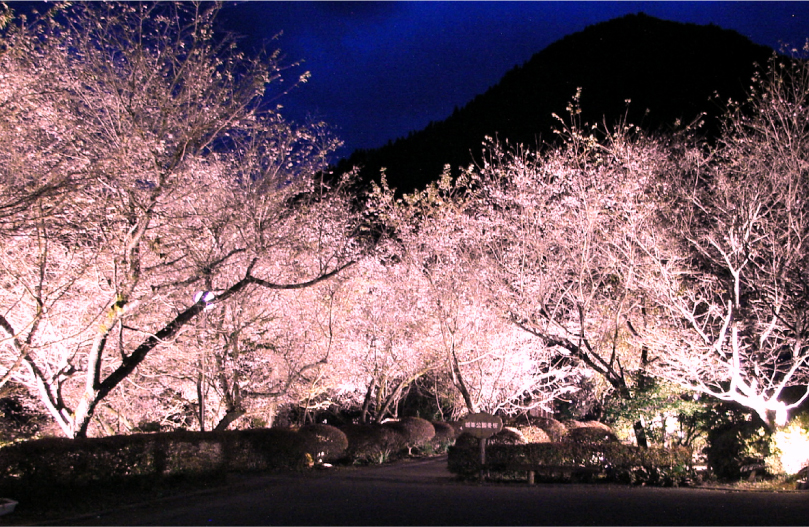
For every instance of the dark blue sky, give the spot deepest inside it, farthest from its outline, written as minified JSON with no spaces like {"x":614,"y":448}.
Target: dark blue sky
{"x":383,"y":69}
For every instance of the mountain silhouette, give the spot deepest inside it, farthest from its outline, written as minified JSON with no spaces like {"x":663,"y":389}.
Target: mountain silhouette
{"x":668,"y":70}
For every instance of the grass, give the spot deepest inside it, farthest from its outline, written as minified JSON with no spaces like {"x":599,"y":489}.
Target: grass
{"x":775,"y":484}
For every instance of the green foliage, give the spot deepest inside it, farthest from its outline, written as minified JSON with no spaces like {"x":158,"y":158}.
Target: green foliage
{"x":651,"y":404}
{"x":735,"y":437}
{"x":789,"y":447}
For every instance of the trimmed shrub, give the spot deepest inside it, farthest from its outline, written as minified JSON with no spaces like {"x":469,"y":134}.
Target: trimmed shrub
{"x":62,"y":461}
{"x":622,"y":463}
{"x":324,"y":442}
{"x":595,"y":424}
{"x":507,"y":436}
{"x":457,"y":426}
{"x":586,"y":434}
{"x":415,"y":431}
{"x":555,"y":429}
{"x":59,"y":462}
{"x":534,"y":434}
{"x":572,"y":424}
{"x":371,"y":443}
{"x":444,"y":432}
{"x":265,"y":449}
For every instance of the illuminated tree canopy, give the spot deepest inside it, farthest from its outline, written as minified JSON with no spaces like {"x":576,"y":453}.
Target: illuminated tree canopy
{"x":173,"y":251}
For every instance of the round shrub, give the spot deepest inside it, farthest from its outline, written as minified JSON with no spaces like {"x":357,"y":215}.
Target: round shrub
{"x":595,"y":424}
{"x":324,"y":442}
{"x":534,"y":434}
{"x":587,"y":434}
{"x":457,"y":426}
{"x":444,"y":432}
{"x":570,"y":424}
{"x":414,"y":430}
{"x":371,"y":443}
{"x":556,"y":430}
{"x":507,"y":436}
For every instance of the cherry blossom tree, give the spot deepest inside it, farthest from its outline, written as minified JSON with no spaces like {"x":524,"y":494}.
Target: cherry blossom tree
{"x":165,"y":186}
{"x":384,"y":337}
{"x":556,"y":232}
{"x":731,"y":261}
{"x":491,"y":365}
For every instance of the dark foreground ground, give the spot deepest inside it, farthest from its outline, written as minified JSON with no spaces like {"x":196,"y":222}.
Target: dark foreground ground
{"x":423,"y":492}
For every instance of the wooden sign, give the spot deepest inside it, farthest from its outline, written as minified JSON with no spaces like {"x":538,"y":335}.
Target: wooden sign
{"x":481,"y":425}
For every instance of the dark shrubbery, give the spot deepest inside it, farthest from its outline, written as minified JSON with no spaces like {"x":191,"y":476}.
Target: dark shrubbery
{"x":264,"y":449}
{"x":466,"y":440}
{"x":147,"y":458}
{"x":371,"y":443}
{"x":324,"y":442}
{"x":444,"y":432}
{"x":415,"y":432}
{"x":590,"y":434}
{"x":734,"y":437}
{"x":621,"y":463}
{"x":54,"y":462}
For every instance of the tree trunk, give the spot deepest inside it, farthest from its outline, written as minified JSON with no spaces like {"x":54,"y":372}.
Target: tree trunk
{"x":201,"y":399}
{"x":640,"y":433}
{"x":457,"y":379}
{"x":230,"y":416}
{"x":367,"y":402}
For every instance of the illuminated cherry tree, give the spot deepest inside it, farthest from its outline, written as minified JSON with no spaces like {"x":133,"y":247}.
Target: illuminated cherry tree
{"x":164,"y":186}
{"x":733,"y":258}
{"x":556,"y":230}
{"x":490,"y":364}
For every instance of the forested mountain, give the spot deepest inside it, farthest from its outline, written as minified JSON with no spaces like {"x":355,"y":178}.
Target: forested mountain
{"x":668,"y":70}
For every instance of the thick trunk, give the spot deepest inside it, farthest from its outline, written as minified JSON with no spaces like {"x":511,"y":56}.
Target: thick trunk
{"x":457,"y":379}
{"x":366,"y":404}
{"x":230,"y":416}
{"x":640,"y":433}
{"x":96,"y":391}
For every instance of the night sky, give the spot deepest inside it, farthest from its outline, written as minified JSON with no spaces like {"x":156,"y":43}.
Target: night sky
{"x":383,"y":69}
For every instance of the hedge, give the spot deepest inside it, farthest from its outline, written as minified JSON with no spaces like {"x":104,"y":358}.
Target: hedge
{"x":621,"y":463}
{"x":54,"y":462}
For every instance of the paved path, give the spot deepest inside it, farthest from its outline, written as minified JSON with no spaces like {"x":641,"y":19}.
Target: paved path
{"x":424,"y":493}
